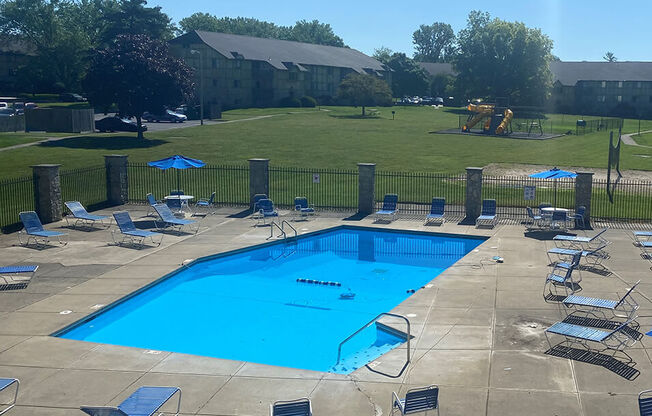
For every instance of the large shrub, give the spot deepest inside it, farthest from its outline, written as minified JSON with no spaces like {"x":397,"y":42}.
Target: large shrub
{"x":289,"y":102}
{"x":307,"y":101}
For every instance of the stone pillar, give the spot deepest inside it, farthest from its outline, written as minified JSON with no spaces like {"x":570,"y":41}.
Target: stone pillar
{"x":473,"y":204}
{"x":258,"y":178}
{"x":366,"y":188}
{"x":47,"y":192}
{"x":117,"y":181}
{"x":583,"y":190}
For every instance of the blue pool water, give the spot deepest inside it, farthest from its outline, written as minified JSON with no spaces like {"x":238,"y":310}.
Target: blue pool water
{"x":249,"y":305}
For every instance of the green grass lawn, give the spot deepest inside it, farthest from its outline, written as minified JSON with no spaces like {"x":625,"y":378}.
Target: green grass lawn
{"x":337,"y":138}
{"x":643,"y":139}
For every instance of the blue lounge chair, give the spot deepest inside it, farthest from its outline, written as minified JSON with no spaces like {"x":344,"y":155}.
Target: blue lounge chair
{"x":625,"y":307}
{"x":6,"y":383}
{"x":561,"y":277}
{"x":389,"y":209}
{"x":437,"y":207}
{"x":301,"y":207}
{"x":169,"y":220}
{"x":616,"y":340}
{"x":593,"y":257}
{"x":34,"y":230}
{"x":645,"y":403}
{"x":640,"y":236}
{"x":206,"y":203}
{"x":298,"y":407}
{"x":535,"y":221}
{"x":265,"y":210}
{"x":488,"y":214}
{"x":580,"y":243}
{"x":145,"y":401}
{"x":79,"y":213}
{"x":129,"y":231}
{"x":257,"y":198}
{"x":417,"y":400}
{"x":151,"y":201}
{"x":16,"y":277}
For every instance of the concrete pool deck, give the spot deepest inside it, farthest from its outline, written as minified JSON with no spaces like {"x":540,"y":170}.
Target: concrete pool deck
{"x":478,"y":331}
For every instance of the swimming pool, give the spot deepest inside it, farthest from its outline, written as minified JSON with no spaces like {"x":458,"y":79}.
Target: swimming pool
{"x":285,"y":304}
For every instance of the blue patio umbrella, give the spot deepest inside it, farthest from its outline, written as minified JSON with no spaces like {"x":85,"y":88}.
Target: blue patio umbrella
{"x":177,"y":162}
{"x":554,"y":173}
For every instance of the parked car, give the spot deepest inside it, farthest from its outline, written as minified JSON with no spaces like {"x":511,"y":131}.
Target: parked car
{"x":115,"y":123}
{"x":7,"y":112}
{"x":438,"y":101}
{"x":168,"y":115}
{"x":70,"y":97}
{"x":3,"y":104}
{"x":30,"y":106}
{"x":19,"y":107}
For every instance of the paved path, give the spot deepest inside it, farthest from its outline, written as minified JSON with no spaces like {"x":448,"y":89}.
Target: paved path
{"x":627,"y":139}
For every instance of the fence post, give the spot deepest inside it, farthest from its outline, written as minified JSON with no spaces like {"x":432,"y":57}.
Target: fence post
{"x":366,"y":188}
{"x":117,"y":181}
{"x":258,"y":178}
{"x":583,"y":190}
{"x":473,"y":204}
{"x":47,"y":192}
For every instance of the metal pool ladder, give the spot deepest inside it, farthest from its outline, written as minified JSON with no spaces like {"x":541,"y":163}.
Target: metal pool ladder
{"x":281,"y":229}
{"x":367,"y":325}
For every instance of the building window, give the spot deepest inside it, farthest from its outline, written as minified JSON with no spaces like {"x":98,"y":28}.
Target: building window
{"x":601,"y":98}
{"x":638,"y":84}
{"x":619,"y":98}
{"x":236,"y":83}
{"x":634,"y":98}
{"x":620,"y":84}
{"x":214,"y":62}
{"x":604,"y":84}
{"x":238,"y":63}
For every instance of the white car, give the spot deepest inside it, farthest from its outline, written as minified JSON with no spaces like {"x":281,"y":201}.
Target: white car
{"x":3,"y":104}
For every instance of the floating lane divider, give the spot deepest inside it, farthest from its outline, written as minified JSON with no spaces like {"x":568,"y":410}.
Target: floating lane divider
{"x":319,"y":282}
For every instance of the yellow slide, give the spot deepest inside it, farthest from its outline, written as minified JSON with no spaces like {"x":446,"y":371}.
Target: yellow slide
{"x":503,"y":125}
{"x":483,"y":111}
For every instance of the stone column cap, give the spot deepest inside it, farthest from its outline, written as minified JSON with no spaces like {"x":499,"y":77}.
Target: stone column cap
{"x":584,"y":173}
{"x":258,"y":159}
{"x":115,"y":155}
{"x":473,"y":168}
{"x":366,"y":164}
{"x":46,"y":165}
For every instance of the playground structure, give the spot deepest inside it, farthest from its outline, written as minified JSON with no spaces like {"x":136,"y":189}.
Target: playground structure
{"x":497,"y":119}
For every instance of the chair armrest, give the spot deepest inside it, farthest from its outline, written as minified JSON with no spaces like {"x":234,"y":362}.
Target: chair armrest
{"x":396,"y":402}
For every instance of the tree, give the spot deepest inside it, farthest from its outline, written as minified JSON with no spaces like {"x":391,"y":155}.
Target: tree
{"x":503,"y":59}
{"x":610,"y":57}
{"x":383,"y":54}
{"x":315,"y":32}
{"x":302,"y":31}
{"x":364,"y":90}
{"x":132,"y":17}
{"x":434,"y":43}
{"x":408,"y":78}
{"x":138,"y":74}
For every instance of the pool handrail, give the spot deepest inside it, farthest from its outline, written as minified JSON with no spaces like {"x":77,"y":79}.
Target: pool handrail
{"x":367,"y":325}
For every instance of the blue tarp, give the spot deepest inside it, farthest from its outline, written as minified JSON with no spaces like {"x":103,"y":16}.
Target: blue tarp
{"x":554,"y":173}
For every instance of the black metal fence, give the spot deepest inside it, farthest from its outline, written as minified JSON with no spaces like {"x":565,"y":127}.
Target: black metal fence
{"x":86,"y":185}
{"x":597,"y":124}
{"x":632,"y":200}
{"x":415,"y":191}
{"x":229,"y":182}
{"x":509,"y":193}
{"x":325,"y":188}
{"x":16,"y":195}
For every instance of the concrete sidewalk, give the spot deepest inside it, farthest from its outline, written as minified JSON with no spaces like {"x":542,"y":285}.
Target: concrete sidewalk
{"x":478,"y":331}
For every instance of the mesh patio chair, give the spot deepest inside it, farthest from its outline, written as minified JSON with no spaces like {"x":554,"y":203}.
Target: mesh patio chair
{"x":81,"y":216}
{"x":389,"y":209}
{"x":6,"y":384}
{"x":417,"y":400}
{"x":146,"y":401}
{"x":34,"y":230}
{"x":436,"y":214}
{"x":298,"y":407}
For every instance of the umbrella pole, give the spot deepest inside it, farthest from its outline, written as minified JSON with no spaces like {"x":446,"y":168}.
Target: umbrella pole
{"x":555,"y":197}
{"x":178,"y":182}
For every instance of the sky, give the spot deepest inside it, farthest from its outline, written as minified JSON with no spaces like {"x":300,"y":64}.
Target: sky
{"x":582,"y":30}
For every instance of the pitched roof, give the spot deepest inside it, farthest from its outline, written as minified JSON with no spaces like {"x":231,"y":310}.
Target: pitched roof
{"x":433,"y":68}
{"x":569,"y":73}
{"x":278,"y":52}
